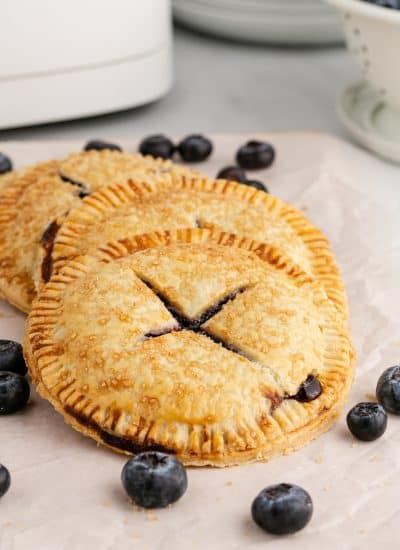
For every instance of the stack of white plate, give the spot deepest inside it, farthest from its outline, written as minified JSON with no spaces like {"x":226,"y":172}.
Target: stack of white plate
{"x":273,"y":21}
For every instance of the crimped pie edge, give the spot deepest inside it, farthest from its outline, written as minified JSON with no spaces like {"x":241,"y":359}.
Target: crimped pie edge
{"x":313,"y":418}
{"x":14,"y":291}
{"x":324,"y":265}
{"x":108,"y":157}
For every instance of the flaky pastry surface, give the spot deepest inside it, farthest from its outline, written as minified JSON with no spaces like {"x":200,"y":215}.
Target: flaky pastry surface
{"x":135,"y":207}
{"x":191,"y":341}
{"x":42,"y":195}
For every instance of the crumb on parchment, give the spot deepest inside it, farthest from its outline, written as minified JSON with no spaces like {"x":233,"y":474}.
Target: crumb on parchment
{"x":151,"y":516}
{"x":319,"y":459}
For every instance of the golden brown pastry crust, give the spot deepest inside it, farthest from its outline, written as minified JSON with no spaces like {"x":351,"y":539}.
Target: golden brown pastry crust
{"x":115,"y":210}
{"x":95,"y":169}
{"x":6,"y":180}
{"x":26,"y":208}
{"x":40,"y":197}
{"x":93,"y":350}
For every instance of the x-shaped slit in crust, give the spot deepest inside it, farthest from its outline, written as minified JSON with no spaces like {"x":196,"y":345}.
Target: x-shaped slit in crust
{"x":309,"y":390}
{"x":72,"y":182}
{"x":196,"y":325}
{"x":185,"y":323}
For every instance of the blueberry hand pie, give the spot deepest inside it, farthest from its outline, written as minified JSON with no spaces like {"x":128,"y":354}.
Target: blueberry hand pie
{"x":211,"y":346}
{"x":26,"y":207}
{"x":94,"y":169}
{"x":133,"y":208}
{"x":6,"y":180}
{"x":31,"y":206}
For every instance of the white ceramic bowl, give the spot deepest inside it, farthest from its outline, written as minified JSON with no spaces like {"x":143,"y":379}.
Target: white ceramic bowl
{"x":373,"y":37}
{"x":263,"y":21}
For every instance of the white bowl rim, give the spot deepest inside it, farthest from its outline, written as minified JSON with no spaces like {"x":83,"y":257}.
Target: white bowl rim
{"x":373,"y":141}
{"x":367,"y":9}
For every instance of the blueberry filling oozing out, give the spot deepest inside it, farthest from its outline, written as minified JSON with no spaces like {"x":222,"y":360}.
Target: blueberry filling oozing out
{"x":82,"y":191}
{"x":72,"y":182}
{"x":214,"y":309}
{"x":224,"y":344}
{"x":47,"y":242}
{"x":196,"y":325}
{"x":83,"y":194}
{"x":128,"y":445}
{"x":162,"y":332}
{"x":191,"y":324}
{"x":309,"y":390}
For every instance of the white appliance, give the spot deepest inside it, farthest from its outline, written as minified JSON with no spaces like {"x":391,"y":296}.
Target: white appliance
{"x":64,"y":59}
{"x":263,"y":21}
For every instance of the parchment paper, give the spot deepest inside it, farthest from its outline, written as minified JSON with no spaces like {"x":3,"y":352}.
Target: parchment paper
{"x":66,"y":491}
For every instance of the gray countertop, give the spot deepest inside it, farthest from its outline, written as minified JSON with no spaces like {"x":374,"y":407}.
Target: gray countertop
{"x":222,"y":86}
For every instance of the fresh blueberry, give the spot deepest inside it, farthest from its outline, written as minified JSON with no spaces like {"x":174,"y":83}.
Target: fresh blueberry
{"x":309,"y":390}
{"x":195,"y":148}
{"x":11,"y":357}
{"x":255,"y":154}
{"x":232,"y":173}
{"x":154,"y":480}
{"x":367,"y":421}
{"x":99,"y":145}
{"x":282,"y":509}
{"x":394,"y":4}
{"x":388,"y":390}
{"x":5,"y":164}
{"x":14,"y":392}
{"x":5,"y":480}
{"x":157,"y":146}
{"x":257,"y":185}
